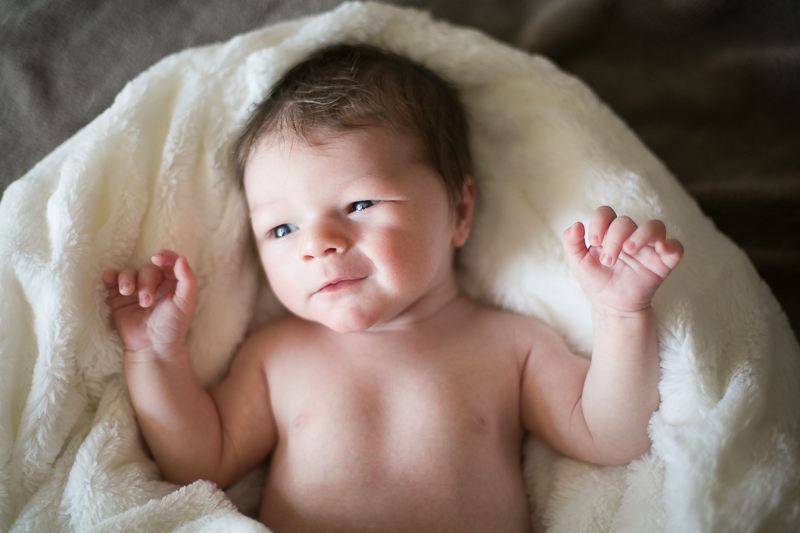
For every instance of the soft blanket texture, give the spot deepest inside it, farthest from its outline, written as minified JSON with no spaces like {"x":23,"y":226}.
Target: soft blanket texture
{"x":153,"y":171}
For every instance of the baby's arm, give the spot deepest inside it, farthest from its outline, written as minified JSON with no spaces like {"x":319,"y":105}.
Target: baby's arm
{"x":599,"y":412}
{"x":193,"y":434}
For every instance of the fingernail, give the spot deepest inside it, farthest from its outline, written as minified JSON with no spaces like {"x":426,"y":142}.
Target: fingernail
{"x":594,"y":240}
{"x":144,"y":300}
{"x":605,"y":259}
{"x":126,"y":286}
{"x":630,"y":246}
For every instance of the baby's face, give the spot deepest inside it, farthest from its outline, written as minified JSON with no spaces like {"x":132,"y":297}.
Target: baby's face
{"x":354,"y":232}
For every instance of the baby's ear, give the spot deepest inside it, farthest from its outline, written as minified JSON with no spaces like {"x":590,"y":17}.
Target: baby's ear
{"x":463,"y":212}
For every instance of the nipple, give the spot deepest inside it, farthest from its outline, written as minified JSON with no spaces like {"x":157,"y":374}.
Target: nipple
{"x":299,"y":422}
{"x":480,"y":423}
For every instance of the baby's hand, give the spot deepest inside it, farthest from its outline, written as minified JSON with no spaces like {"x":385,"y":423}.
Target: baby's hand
{"x":624,"y":265}
{"x":153,"y":307}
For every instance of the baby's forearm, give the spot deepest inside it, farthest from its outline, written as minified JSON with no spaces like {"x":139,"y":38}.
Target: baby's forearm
{"x":621,"y":389}
{"x":178,"y":419}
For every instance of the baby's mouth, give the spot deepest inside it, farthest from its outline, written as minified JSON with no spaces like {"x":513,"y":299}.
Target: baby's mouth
{"x":340,"y":284}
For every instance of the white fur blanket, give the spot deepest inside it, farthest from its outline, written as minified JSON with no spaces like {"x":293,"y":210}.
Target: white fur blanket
{"x":153,"y":171}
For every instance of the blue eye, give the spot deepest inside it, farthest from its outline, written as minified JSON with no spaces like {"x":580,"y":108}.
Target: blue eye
{"x":362,"y":205}
{"x":283,"y":230}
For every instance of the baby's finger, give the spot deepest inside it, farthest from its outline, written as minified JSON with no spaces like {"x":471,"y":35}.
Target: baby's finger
{"x":671,"y":252}
{"x":150,"y":277}
{"x":127,"y":281}
{"x":187,"y":285}
{"x":163,"y":257}
{"x":618,"y":232}
{"x":573,"y":241}
{"x":110,"y":279}
{"x":598,"y":225}
{"x":166,"y":260}
{"x":650,"y":232}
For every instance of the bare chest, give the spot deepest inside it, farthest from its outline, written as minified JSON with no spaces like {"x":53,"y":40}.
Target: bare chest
{"x":402,"y":394}
{"x":431,"y":430}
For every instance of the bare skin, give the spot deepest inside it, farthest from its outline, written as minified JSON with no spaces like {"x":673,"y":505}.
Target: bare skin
{"x":387,"y":401}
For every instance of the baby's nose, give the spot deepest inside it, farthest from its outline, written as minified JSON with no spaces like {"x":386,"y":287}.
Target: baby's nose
{"x":323,"y":238}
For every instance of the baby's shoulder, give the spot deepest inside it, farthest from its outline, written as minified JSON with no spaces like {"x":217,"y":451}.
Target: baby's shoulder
{"x":280,"y":335}
{"x":505,"y":320}
{"x":525,"y":331}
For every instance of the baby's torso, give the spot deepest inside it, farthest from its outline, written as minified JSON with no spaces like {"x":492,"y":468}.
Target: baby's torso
{"x":397,"y":433}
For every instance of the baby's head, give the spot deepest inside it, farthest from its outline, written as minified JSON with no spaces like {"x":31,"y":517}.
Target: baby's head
{"x":344,"y":88}
{"x":357,"y":170}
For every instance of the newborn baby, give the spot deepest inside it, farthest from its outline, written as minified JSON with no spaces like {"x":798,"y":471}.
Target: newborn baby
{"x":387,"y":400}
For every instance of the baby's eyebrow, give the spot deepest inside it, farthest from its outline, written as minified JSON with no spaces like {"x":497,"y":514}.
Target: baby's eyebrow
{"x":261,"y":205}
{"x":261,"y":215}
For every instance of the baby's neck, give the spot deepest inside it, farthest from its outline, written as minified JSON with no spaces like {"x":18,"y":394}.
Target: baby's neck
{"x":439,"y":302}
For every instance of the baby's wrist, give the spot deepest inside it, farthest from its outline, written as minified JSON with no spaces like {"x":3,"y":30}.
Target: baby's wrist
{"x":607,"y":312}
{"x":157,"y":354}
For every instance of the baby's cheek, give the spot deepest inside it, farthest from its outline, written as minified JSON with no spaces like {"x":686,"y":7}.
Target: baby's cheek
{"x":283,"y":285}
{"x":396,"y":255}
{"x":414,"y":261}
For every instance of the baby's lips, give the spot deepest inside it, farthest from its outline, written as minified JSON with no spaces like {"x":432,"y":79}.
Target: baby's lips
{"x":335,"y":281}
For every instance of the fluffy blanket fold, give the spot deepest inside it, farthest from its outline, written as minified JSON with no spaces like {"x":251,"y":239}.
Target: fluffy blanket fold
{"x":154,"y":171}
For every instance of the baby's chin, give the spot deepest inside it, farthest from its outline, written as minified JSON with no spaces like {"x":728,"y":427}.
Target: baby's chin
{"x":347,"y":322}
{"x":347,"y":325}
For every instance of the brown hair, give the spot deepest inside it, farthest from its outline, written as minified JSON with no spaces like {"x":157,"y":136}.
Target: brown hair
{"x":344,"y":87}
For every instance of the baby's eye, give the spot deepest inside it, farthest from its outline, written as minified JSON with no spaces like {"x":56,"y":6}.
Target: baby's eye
{"x":364,"y":204}
{"x":283,"y":230}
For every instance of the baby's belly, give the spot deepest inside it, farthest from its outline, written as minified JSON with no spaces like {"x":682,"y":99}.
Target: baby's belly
{"x":358,"y":462}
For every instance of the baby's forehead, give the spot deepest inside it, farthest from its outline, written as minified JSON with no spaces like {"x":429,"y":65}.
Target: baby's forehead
{"x":311,"y":136}
{"x":374,"y":143}
{"x":290,"y":167}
